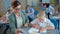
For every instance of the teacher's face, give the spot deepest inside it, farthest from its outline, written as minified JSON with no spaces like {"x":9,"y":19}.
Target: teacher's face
{"x":17,"y":9}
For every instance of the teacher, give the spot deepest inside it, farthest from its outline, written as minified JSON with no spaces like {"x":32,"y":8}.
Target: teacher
{"x":17,"y":19}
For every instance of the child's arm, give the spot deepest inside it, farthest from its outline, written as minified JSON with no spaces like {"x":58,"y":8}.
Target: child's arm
{"x":35,"y":26}
{"x":49,"y":27}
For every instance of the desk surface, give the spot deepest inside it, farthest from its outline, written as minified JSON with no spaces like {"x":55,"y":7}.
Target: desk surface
{"x":25,"y":30}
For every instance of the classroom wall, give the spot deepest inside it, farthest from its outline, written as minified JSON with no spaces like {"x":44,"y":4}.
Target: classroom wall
{"x":32,"y":2}
{"x":23,"y":4}
{"x":7,"y":3}
{"x":59,"y":2}
{"x":1,"y":5}
{"x":4,"y":4}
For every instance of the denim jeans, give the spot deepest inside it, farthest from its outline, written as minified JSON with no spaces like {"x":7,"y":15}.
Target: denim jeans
{"x":30,"y":19}
{"x":5,"y":28}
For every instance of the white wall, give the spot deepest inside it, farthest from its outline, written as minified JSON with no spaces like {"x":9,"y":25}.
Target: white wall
{"x":7,"y":3}
{"x":45,"y":1}
{"x":32,"y":2}
{"x":59,"y":1}
{"x":1,"y":5}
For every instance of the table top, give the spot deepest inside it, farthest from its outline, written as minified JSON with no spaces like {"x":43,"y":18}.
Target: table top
{"x":25,"y":30}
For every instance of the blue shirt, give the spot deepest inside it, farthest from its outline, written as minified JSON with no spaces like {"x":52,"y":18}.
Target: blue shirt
{"x":30,"y":10}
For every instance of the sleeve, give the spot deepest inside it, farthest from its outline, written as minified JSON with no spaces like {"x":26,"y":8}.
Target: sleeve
{"x":51,"y":7}
{"x":7,"y":16}
{"x":49,"y":23}
{"x":32,"y":10}
{"x":34,"y":21}
{"x":27,"y":21}
{"x":25,"y":17}
{"x":12,"y":25}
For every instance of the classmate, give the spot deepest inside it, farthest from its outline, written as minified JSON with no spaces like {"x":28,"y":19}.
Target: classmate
{"x":5,"y":24}
{"x":30,"y":13}
{"x":0,"y":22}
{"x":42,"y":23}
{"x":49,"y":10}
{"x":58,"y":12}
{"x":17,"y":19}
{"x":9,"y":11}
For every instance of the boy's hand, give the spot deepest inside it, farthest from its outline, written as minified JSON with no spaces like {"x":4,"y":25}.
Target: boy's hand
{"x":37,"y":26}
{"x":42,"y":29}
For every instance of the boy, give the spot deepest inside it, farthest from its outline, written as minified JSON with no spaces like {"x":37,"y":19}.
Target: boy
{"x":41,"y":23}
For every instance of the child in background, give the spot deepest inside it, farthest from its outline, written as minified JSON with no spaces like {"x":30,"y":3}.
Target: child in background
{"x":0,"y":19}
{"x":49,"y":10}
{"x":5,"y":23}
{"x":4,"y":20}
{"x":30,"y":13}
{"x":58,"y":12}
{"x":9,"y":11}
{"x":41,"y":23}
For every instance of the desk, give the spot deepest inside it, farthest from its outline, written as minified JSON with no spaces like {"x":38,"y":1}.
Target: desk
{"x":25,"y":30}
{"x":52,"y":31}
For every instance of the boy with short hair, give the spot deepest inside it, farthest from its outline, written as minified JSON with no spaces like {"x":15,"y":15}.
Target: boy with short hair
{"x":41,"y":23}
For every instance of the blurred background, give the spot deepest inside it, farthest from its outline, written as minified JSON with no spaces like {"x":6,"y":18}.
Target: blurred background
{"x":4,"y":4}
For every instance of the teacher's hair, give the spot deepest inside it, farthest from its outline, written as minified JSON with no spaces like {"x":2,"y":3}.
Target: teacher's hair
{"x":15,"y":4}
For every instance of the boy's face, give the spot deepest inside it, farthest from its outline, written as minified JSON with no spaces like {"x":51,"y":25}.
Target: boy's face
{"x":41,"y":16}
{"x":41,"y":19}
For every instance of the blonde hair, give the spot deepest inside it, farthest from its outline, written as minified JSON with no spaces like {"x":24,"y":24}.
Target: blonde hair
{"x":41,"y":14}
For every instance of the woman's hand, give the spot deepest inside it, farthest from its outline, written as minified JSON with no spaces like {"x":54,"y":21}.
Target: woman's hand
{"x":25,"y":25}
{"x":42,"y":29}
{"x":18,"y":31}
{"x":37,"y":26}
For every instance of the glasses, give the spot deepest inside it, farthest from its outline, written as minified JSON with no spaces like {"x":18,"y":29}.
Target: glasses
{"x":17,"y":9}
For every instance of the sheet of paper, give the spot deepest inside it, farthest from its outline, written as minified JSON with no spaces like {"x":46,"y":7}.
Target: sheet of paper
{"x":20,"y":33}
{"x":33,"y":30}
